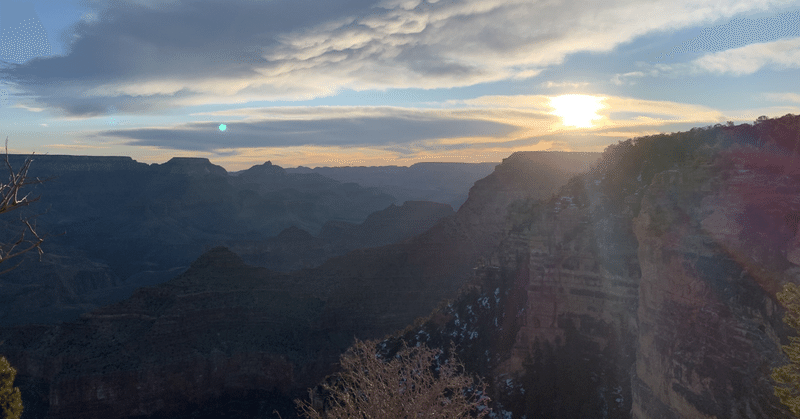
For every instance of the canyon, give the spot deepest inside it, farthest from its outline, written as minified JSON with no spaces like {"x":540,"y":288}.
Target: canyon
{"x":279,"y":332}
{"x":637,"y":283}
{"x":644,"y":289}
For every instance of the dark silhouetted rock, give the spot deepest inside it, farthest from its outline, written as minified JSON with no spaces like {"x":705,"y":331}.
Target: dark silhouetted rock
{"x":446,"y":183}
{"x":115,"y":224}
{"x":295,"y":248}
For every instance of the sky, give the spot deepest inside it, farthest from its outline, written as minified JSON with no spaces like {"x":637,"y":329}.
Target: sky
{"x":390,"y":82}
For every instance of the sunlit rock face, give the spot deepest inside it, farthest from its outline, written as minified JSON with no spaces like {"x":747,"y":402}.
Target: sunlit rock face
{"x":645,"y":289}
{"x":549,"y":320}
{"x":716,"y":242}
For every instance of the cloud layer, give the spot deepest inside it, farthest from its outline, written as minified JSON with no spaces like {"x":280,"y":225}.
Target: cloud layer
{"x":485,"y":122}
{"x":350,"y":127}
{"x":145,"y":56}
{"x":782,"y":54}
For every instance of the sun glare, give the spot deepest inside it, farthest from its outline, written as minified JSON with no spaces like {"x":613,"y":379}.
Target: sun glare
{"x":577,"y":110}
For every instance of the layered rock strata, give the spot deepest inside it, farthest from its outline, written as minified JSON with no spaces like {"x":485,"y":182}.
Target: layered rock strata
{"x":716,"y":242}
{"x":645,"y":289}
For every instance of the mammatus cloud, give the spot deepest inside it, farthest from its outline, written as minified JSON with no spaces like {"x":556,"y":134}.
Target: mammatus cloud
{"x":144,"y":56}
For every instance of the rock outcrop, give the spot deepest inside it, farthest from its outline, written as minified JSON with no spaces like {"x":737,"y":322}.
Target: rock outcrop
{"x":549,"y":319}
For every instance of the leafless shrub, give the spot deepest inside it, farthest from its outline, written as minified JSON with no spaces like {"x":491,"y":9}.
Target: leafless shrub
{"x":11,"y":198}
{"x":413,"y":384}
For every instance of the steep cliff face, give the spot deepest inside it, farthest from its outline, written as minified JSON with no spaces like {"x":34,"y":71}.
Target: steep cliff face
{"x":523,"y":175}
{"x":385,"y":289}
{"x":716,"y":242}
{"x":644,"y":289}
{"x":550,"y":318}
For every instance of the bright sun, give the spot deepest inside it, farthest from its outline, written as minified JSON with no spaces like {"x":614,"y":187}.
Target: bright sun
{"x":577,"y":110}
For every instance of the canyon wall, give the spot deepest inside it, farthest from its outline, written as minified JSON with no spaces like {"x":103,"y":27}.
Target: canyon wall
{"x":716,"y":242}
{"x":644,"y":289}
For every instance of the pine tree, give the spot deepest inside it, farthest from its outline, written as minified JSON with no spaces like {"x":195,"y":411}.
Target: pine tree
{"x":788,"y":376}
{"x":10,"y":397}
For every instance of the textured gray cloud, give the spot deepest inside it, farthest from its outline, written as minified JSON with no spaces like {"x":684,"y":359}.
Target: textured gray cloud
{"x":386,"y":130}
{"x":147,"y":55}
{"x":174,"y":43}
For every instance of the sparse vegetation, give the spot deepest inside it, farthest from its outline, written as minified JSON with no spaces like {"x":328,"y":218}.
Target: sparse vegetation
{"x":414,"y":383}
{"x":10,"y":397}
{"x":788,"y":376}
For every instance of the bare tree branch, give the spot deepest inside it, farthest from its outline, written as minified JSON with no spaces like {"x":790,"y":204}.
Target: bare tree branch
{"x":10,"y":200}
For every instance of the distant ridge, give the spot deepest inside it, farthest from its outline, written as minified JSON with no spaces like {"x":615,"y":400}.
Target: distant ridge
{"x":128,"y":224}
{"x":446,"y":183}
{"x":49,"y":164}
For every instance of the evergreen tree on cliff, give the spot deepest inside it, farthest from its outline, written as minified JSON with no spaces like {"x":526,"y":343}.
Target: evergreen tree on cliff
{"x":788,"y":376}
{"x":10,"y":397}
{"x":414,"y":383}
